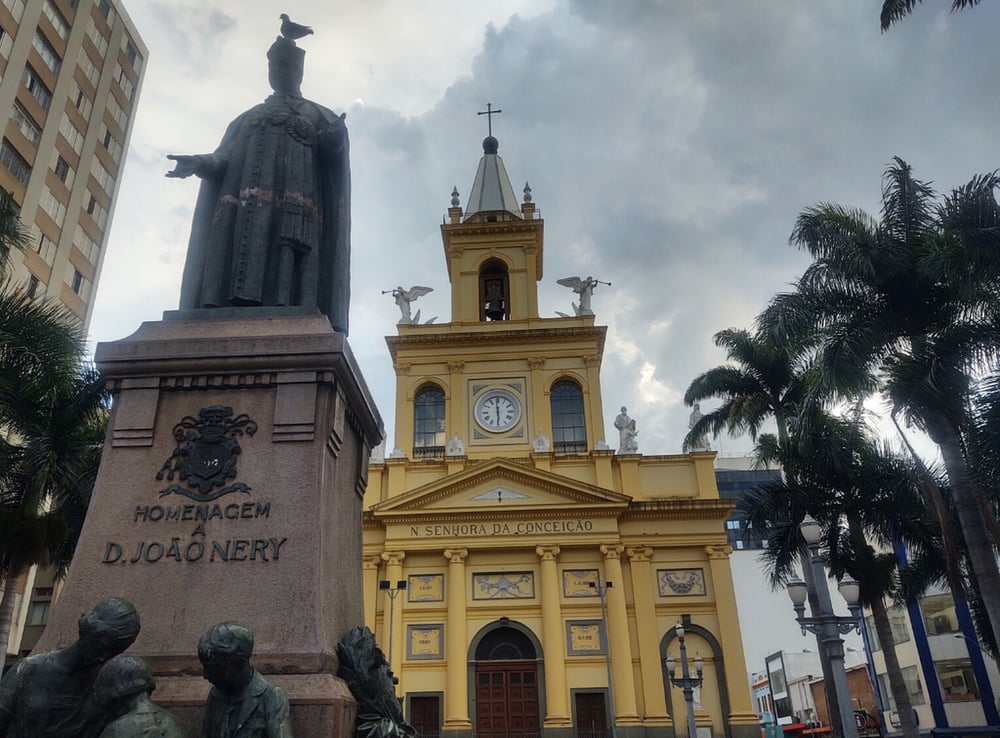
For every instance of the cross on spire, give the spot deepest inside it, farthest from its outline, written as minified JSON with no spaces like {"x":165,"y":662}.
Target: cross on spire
{"x":489,"y":113}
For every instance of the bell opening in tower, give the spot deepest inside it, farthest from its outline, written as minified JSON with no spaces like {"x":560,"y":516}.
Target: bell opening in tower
{"x":494,"y":291}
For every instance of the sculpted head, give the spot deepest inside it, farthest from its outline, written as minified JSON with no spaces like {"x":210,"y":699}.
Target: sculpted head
{"x":285,"y":62}
{"x":225,"y":652}
{"x":107,"y":630}
{"x":121,"y":679}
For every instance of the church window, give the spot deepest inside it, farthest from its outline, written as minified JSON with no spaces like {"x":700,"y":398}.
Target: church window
{"x":569,"y":431}
{"x":494,"y":291}
{"x":428,"y":423}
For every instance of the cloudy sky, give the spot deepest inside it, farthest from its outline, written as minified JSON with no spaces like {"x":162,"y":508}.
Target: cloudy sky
{"x":669,"y":145}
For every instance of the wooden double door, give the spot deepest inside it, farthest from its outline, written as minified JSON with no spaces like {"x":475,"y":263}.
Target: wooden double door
{"x":507,"y":700}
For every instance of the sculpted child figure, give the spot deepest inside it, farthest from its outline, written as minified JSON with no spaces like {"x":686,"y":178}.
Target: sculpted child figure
{"x":242,"y":704}
{"x":50,"y":693}
{"x":122,"y":691}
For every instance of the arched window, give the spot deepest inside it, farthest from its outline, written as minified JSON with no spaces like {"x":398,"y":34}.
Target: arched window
{"x":428,"y":423}
{"x":569,"y":431}
{"x":494,"y":291}
{"x":505,"y":644}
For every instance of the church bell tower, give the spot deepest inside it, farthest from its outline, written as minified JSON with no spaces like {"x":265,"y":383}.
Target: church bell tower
{"x":497,"y":378}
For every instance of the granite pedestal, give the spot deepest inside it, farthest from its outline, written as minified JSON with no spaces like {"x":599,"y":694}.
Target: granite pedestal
{"x":276,"y":545}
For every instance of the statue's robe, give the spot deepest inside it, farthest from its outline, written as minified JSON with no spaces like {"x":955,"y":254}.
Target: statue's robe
{"x":272,"y":223}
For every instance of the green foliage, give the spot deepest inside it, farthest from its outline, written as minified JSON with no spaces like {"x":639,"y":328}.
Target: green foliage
{"x":907,"y":305}
{"x":53,"y":410}
{"x":895,"y":10}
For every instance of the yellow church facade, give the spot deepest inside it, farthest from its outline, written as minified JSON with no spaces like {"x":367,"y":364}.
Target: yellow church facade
{"x":500,"y":519}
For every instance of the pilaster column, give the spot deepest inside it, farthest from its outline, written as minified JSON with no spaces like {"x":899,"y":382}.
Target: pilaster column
{"x":593,"y":403}
{"x":393,"y":630}
{"x":456,"y":423}
{"x":643,"y":587}
{"x":456,"y":698}
{"x":370,"y":565}
{"x":618,"y":642}
{"x":740,"y":704}
{"x":553,"y":641}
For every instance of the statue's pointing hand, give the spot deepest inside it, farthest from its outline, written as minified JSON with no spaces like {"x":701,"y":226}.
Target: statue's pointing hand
{"x":185,"y":165}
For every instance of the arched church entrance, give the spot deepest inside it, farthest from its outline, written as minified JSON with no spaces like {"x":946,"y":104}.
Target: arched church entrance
{"x":506,"y":680}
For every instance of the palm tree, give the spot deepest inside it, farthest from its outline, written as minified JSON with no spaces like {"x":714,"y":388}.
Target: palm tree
{"x":913,"y":298}
{"x":864,"y":496}
{"x":52,"y":416}
{"x":895,"y":10}
{"x":763,"y":380}
{"x":766,"y":378}
{"x":53,"y":411}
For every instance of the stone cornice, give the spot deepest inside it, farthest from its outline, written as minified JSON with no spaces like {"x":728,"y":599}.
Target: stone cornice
{"x":679,"y":509}
{"x":497,"y":337}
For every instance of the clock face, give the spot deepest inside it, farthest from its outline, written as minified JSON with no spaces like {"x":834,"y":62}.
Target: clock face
{"x":498,"y":410}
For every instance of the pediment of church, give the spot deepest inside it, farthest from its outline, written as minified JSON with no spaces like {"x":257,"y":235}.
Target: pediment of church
{"x":501,"y":484}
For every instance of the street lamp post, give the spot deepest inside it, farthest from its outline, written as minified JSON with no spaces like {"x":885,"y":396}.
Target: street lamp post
{"x":393,"y":591}
{"x":602,"y":590}
{"x":828,"y":626}
{"x":685,"y":682}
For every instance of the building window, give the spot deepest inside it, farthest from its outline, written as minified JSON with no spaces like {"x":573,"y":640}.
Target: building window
{"x":897,"y":619}
{"x":913,"y":686}
{"x":38,"y":613}
{"x":90,"y":70}
{"x":569,"y":432}
{"x":26,"y":124}
{"x":32,"y":288}
{"x":131,"y":53}
{"x":16,"y":8}
{"x":56,"y":19}
{"x":45,"y":247}
{"x":87,"y":246}
{"x":111,"y":144}
{"x":118,"y":113}
{"x":82,"y":102}
{"x":958,"y":682}
{"x":37,"y":88}
{"x":97,"y":212}
{"x":45,"y":50}
{"x":939,"y":614}
{"x":6,"y":43}
{"x":51,"y":205}
{"x":16,"y":163}
{"x":428,"y":423}
{"x":98,"y":38}
{"x":77,"y":281}
{"x":72,"y":135}
{"x":102,"y":175}
{"x":61,"y":168}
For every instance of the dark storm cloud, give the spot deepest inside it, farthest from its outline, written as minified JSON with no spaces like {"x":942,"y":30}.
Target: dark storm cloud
{"x":669,"y":147}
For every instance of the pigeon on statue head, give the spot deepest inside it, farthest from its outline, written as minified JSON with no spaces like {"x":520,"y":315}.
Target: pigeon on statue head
{"x":292,"y":30}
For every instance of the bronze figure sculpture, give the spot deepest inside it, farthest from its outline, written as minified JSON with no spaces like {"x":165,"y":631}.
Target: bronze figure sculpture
{"x":121,"y":692}
{"x":50,"y":693}
{"x":272,"y":223}
{"x":242,"y":704}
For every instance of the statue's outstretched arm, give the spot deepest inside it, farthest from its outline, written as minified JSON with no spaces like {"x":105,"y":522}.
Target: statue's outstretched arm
{"x":201,"y":165}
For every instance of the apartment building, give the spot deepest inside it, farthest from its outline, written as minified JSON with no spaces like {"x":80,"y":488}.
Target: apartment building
{"x":70,"y":76}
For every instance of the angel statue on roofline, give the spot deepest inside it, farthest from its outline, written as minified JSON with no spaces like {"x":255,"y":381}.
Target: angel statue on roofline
{"x":404,"y":298}
{"x":585,"y":289}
